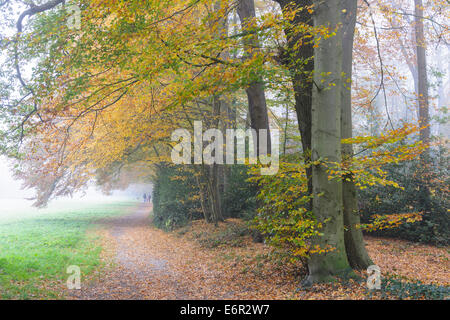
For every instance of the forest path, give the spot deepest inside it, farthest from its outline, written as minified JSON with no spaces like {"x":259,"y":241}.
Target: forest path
{"x":143,"y":262}
{"x":140,"y":268}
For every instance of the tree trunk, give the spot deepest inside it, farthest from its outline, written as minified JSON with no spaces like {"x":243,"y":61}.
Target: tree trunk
{"x":203,"y":197}
{"x":215,"y":197}
{"x":215,"y":172}
{"x":424,"y":118}
{"x":257,"y":105}
{"x":422,"y":95}
{"x":229,"y":123}
{"x":326,"y":146}
{"x":299,"y":59}
{"x":354,"y":243}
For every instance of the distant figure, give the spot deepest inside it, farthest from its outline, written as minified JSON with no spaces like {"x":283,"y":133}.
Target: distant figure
{"x":149,"y":197}
{"x":145,"y":197}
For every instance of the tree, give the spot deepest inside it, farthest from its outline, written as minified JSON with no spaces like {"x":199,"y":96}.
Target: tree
{"x":298,"y":57}
{"x":422,"y":94}
{"x":354,"y":243}
{"x":326,"y":146}
{"x":106,"y":98}
{"x":257,"y":106}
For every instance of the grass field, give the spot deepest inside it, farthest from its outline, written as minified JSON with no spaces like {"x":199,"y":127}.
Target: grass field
{"x":37,"y":246}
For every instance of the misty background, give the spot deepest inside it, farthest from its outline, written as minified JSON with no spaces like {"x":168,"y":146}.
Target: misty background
{"x":14,"y":199}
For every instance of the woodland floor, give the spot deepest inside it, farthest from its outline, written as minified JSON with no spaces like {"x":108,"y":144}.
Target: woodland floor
{"x":144,"y":262}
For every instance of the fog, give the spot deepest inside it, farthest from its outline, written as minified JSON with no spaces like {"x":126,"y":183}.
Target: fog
{"x":10,"y":188}
{"x":13,"y":199}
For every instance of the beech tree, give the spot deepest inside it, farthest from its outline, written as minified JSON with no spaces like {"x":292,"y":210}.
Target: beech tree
{"x":354,"y":243}
{"x":326,"y":145}
{"x":257,"y":106}
{"x":422,"y":94}
{"x":104,"y":100}
{"x":298,"y":57}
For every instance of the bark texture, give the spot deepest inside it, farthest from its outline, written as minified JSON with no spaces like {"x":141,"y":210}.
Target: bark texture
{"x":326,"y":146}
{"x":299,"y":60}
{"x":422,"y":78}
{"x":257,"y":106}
{"x":354,"y":243}
{"x":422,"y":96}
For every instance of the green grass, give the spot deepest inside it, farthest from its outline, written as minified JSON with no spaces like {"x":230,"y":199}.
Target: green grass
{"x":36,"y":249}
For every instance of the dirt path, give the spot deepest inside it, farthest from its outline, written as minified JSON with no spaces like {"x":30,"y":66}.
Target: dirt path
{"x":139,"y":270}
{"x":148,"y":263}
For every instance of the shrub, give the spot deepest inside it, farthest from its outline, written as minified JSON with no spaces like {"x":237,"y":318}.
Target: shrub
{"x":174,"y":197}
{"x":283,"y":215}
{"x":239,"y":199}
{"x":232,"y":236}
{"x":413,"y":290}
{"x":434,"y":227}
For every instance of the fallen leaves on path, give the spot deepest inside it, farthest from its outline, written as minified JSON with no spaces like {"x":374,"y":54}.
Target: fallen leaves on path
{"x":148,"y":263}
